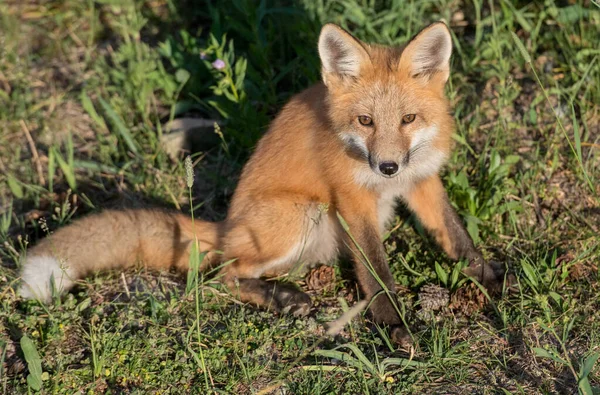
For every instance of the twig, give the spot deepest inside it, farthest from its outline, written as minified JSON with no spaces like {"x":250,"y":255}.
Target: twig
{"x":538,"y":210}
{"x":34,"y":153}
{"x":336,"y":326}
{"x":125,"y":285}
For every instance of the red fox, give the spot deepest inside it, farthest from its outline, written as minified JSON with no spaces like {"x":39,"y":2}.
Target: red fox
{"x":377,"y":129}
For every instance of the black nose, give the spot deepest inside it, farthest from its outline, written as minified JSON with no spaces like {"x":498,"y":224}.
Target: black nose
{"x":388,"y":168}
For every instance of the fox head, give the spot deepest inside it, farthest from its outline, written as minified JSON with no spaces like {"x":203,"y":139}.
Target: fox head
{"x":387,"y":104}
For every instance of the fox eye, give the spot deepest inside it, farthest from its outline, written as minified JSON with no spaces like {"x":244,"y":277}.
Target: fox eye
{"x":365,"y":120}
{"x":408,"y":118}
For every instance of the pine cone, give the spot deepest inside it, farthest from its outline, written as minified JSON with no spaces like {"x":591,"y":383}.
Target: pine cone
{"x":433,"y":297}
{"x":322,"y":277}
{"x":468,"y":300}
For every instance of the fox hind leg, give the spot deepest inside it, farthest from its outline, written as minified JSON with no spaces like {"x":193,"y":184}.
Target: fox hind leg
{"x":266,"y":242}
{"x":270,"y":295}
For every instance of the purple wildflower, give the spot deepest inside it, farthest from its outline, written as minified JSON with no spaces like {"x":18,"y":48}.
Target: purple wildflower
{"x":203,"y":55}
{"x":218,"y":64}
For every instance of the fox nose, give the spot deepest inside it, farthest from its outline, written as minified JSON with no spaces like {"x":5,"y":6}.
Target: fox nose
{"x":388,"y":168}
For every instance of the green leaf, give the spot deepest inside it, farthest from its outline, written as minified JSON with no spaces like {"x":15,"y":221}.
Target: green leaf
{"x":84,"y":305}
{"x":556,"y":297}
{"x":511,"y":159}
{"x":461,"y":180}
{"x":118,"y":123}
{"x":495,"y":161}
{"x":70,"y":149}
{"x":95,"y":166}
{"x":588,"y":364}
{"x":34,"y":363}
{"x":360,"y":363}
{"x":15,"y":186}
{"x":460,"y":139}
{"x":361,"y":357}
{"x":230,"y":96}
{"x":572,"y":14}
{"x":530,"y":274}
{"x":519,"y":16}
{"x":454,"y":276}
{"x":341,"y":356}
{"x":553,"y":355}
{"x":51,"y":170}
{"x":240,"y":72}
{"x":88,"y":106}
{"x":402,"y":362}
{"x":577,"y":135}
{"x":441,"y":274}
{"x":473,"y":227}
{"x":585,"y":387}
{"x":196,"y":258}
{"x":68,"y":170}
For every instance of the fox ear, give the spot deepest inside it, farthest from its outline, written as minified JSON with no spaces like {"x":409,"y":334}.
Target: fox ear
{"x":428,"y":53}
{"x":341,"y":54}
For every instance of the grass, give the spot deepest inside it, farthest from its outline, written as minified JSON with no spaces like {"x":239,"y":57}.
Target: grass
{"x":87,"y":89}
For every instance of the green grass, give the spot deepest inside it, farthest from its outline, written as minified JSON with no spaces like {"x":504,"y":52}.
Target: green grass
{"x":86,"y":89}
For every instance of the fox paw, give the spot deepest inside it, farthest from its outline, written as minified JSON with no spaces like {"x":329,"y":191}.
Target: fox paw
{"x":291,"y":301}
{"x":401,"y":337}
{"x":492,"y":275}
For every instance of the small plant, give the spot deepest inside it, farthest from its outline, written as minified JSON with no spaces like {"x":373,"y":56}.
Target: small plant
{"x":34,"y":363}
{"x":485,"y":201}
{"x":193,"y":278}
{"x":62,"y":213}
{"x":454,"y":279}
{"x":5,"y":222}
{"x":586,"y":365}
{"x":67,"y":164}
{"x":355,"y":359}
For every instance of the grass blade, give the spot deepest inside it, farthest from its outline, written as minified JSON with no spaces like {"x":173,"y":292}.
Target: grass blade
{"x":88,"y":106}
{"x":542,"y":352}
{"x":577,"y":135}
{"x":51,"y":170}
{"x":441,"y":274}
{"x":584,"y":372}
{"x":119,"y":125}
{"x":68,"y":170}
{"x":14,"y":186}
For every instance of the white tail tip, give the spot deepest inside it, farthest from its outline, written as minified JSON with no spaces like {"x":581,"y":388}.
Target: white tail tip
{"x":37,"y":275}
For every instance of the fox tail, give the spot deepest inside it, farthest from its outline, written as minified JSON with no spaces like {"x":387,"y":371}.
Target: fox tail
{"x":112,"y":240}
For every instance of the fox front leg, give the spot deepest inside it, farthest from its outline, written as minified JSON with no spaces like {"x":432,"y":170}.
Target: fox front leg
{"x":429,"y":201}
{"x":371,"y":267}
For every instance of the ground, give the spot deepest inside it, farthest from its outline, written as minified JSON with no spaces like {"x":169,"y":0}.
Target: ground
{"x":87,"y":90}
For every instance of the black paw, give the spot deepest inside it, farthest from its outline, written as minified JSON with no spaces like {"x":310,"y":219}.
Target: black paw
{"x":401,"y":337}
{"x":492,"y":275}
{"x":291,"y":301}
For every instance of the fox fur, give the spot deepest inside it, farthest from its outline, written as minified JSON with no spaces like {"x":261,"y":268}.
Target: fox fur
{"x":376,"y":130}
